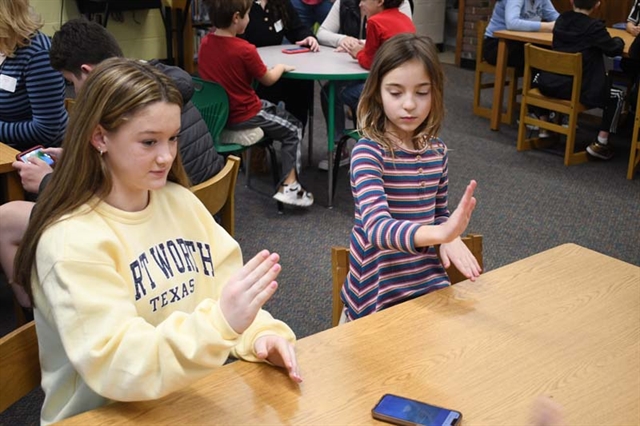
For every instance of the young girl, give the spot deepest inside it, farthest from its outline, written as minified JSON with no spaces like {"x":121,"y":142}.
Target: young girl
{"x":399,"y":183}
{"x":137,"y":291}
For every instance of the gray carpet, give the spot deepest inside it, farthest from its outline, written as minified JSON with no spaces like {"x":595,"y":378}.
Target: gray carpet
{"x":527,"y":202}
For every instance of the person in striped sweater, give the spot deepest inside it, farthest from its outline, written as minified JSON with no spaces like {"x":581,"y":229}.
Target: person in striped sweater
{"x":399,"y":181}
{"x":31,"y":93}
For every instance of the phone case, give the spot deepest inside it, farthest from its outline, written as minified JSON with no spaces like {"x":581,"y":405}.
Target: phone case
{"x":25,"y":154}
{"x":390,"y":414}
{"x":295,"y":50}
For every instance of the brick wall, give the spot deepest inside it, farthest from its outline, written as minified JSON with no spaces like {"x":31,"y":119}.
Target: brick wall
{"x":475,"y":10}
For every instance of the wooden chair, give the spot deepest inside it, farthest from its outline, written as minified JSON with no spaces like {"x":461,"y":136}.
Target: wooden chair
{"x":634,"y":155}
{"x":483,"y":67}
{"x":68,"y":104}
{"x":19,"y":364}
{"x":560,"y":63}
{"x":218,"y":193}
{"x":340,"y":269}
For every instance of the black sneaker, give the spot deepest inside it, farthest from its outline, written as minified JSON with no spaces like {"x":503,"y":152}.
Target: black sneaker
{"x":603,"y":151}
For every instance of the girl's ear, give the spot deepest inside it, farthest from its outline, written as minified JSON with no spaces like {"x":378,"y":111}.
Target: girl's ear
{"x":98,"y":139}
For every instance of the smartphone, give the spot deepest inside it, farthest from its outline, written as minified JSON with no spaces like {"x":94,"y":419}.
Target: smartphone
{"x":35,"y":152}
{"x":300,"y":49}
{"x":404,"y":411}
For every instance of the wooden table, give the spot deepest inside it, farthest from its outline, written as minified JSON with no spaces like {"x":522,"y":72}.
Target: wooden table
{"x":9,"y":178}
{"x":539,"y":38}
{"x":326,"y":64}
{"x":563,"y":323}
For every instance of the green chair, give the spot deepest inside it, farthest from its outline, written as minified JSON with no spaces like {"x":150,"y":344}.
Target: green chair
{"x":211,"y":100}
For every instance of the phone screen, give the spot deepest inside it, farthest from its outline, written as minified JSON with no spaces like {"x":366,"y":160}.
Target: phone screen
{"x":299,"y":49}
{"x":410,"y":411}
{"x":37,"y":153}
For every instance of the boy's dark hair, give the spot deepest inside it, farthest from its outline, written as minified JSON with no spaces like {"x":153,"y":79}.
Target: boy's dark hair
{"x":79,"y":42}
{"x":221,"y":11}
{"x":391,"y":4}
{"x":585,"y":4}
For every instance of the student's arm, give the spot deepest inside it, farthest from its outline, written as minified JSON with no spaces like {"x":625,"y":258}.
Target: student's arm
{"x":385,"y":232}
{"x":45,"y":89}
{"x":273,"y":74}
{"x":513,"y":21}
{"x":366,"y":55}
{"x":549,"y":12}
{"x":610,"y":46}
{"x":328,"y":33}
{"x":294,"y":29}
{"x":634,"y":19}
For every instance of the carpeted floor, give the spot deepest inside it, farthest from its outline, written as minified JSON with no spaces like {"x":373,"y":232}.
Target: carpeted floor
{"x":527,"y":202}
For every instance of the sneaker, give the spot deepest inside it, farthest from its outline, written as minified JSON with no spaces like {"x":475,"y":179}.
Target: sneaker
{"x":544,"y":134}
{"x":344,"y":161}
{"x":530,"y":126}
{"x":603,"y":151}
{"x":295,"y":195}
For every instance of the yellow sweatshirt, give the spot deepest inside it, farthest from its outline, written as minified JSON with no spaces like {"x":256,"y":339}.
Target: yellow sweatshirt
{"x":127,"y":303}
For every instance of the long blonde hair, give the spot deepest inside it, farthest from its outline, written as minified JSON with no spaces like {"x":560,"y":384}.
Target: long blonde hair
{"x":114,"y":92}
{"x":18,"y":23}
{"x":393,"y":53}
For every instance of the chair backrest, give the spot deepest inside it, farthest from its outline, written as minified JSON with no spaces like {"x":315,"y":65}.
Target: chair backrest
{"x":542,"y":59}
{"x":19,"y":364}
{"x":340,"y":269}
{"x":213,"y":103}
{"x":481,"y":28}
{"x":218,"y":193}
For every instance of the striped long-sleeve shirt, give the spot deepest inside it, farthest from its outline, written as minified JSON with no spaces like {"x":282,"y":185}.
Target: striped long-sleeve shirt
{"x":394,"y":196}
{"x":34,"y":113}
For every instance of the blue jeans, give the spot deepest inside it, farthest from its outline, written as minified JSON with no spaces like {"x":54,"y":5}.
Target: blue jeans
{"x":309,"y":15}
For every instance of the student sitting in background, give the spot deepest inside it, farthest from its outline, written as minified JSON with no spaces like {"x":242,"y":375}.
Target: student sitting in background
{"x":31,"y":93}
{"x":137,"y":291}
{"x":576,"y":32}
{"x":234,"y":63}
{"x":399,"y":181}
{"x":345,"y":28}
{"x":270,"y":21}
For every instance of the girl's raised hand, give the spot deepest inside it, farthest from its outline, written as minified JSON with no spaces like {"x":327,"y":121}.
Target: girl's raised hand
{"x":280,"y":352}
{"x":245,"y":294}
{"x":459,"y":219}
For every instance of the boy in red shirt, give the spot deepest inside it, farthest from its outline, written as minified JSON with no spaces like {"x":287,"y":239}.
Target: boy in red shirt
{"x":384,"y":20}
{"x":234,"y":63}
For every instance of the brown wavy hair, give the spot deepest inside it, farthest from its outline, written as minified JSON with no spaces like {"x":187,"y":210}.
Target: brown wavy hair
{"x":18,"y":23}
{"x":399,"y":49}
{"x":115,"y":91}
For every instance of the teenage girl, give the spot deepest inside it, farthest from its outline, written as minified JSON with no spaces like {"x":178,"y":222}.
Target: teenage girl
{"x":399,"y":183}
{"x":137,"y":291}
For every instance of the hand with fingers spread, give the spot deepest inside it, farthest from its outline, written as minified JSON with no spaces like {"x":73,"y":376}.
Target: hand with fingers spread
{"x":249,"y":289}
{"x":279,"y":352}
{"x":459,"y":219}
{"x":458,"y":253}
{"x":448,"y":231}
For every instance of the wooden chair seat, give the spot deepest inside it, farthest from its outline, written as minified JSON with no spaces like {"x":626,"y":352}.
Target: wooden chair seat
{"x":570,"y":64}
{"x":340,"y":269}
{"x":218,"y":193}
{"x":483,"y":67}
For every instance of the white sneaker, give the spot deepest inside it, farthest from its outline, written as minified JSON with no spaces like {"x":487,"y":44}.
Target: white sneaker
{"x":544,"y":133}
{"x":324,"y":164}
{"x":295,"y":195}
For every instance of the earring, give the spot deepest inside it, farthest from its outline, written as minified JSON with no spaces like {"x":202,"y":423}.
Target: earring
{"x":101,"y":152}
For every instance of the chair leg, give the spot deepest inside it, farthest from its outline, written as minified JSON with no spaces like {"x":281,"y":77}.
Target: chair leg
{"x":274,"y":172}
{"x":570,"y":156}
{"x":336,"y":160}
{"x":477,"y":89}
{"x":523,"y":144}
{"x":513,"y":91}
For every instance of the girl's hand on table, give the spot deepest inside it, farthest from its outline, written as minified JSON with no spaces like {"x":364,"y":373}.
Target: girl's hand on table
{"x":280,"y":352}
